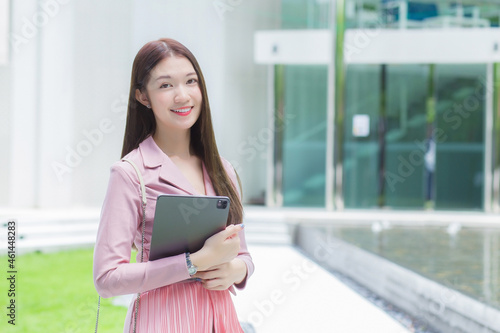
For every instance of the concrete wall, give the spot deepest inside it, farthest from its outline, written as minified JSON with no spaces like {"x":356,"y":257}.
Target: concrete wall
{"x":245,"y":94}
{"x":4,"y":132}
{"x":63,"y":93}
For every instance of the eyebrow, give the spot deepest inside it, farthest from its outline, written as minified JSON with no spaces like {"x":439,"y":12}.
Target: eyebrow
{"x":169,"y":77}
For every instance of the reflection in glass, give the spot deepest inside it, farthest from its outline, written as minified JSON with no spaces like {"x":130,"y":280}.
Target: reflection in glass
{"x":464,"y":259}
{"x":461,"y":94}
{"x":417,"y":14}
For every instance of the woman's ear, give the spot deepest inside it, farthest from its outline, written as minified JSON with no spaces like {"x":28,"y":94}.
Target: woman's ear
{"x":142,"y":98}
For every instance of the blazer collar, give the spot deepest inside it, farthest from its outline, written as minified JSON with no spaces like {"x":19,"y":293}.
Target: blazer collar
{"x":154,"y":157}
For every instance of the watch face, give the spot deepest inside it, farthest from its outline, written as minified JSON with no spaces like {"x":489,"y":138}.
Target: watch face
{"x":192,"y":270}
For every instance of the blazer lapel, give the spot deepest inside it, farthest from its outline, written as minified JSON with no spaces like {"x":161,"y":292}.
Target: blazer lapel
{"x":154,"y":157}
{"x":170,"y":173}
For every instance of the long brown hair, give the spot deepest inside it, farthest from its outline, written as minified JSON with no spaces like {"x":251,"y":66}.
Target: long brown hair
{"x":141,"y":121}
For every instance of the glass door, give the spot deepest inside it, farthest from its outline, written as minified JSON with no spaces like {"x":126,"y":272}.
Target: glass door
{"x":414,"y":136}
{"x":300,"y":124}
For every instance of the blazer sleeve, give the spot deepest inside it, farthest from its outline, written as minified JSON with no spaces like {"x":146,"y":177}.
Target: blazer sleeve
{"x":120,"y":223}
{"x":243,"y":253}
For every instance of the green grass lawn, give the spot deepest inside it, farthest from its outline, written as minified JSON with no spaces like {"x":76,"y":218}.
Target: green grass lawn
{"x":55,"y":293}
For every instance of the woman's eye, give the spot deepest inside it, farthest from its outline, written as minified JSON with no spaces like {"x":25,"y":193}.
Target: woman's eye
{"x":165,"y":85}
{"x":192,"y":81}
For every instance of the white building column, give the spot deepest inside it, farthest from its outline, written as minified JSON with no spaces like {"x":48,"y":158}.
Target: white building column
{"x":41,"y":106}
{"x":56,"y":107}
{"x":24,"y":48}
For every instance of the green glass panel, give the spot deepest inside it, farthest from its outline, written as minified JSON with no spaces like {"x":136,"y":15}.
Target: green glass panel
{"x":304,"y":135}
{"x":305,"y":14}
{"x":405,"y":144}
{"x":461,"y":103}
{"x":360,"y":174}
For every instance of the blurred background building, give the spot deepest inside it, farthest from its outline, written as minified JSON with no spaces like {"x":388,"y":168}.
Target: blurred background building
{"x":331,"y":104}
{"x":350,"y":117}
{"x":399,"y":110}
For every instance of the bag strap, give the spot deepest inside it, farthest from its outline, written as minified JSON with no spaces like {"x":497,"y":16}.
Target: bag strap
{"x":144,"y":201}
{"x":141,"y":181}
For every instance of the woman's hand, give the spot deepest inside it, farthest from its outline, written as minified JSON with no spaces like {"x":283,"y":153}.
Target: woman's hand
{"x":219,"y":249}
{"x":223,"y":276}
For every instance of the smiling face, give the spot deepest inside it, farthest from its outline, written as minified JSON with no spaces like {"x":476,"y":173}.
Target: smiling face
{"x":173,"y":94}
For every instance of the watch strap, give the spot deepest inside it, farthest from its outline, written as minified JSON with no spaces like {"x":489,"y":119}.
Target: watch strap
{"x":192,"y":269}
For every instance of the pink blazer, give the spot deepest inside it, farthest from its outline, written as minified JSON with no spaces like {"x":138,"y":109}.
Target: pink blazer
{"x":120,"y":228}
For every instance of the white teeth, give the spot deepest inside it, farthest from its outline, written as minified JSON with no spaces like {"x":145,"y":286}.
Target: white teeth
{"x":181,"y":111}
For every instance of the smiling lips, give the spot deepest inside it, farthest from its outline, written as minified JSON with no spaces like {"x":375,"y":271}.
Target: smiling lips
{"x":184,"y":111}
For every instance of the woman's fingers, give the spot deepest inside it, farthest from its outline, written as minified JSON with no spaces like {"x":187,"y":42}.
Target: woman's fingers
{"x":231,"y":231}
{"x":206,"y":275}
{"x":220,"y":248}
{"x":217,"y":278}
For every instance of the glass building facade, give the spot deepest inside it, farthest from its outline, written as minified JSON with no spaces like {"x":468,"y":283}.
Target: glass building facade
{"x":413,"y":135}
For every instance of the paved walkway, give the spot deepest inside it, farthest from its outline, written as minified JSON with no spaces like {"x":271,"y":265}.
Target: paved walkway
{"x":287,"y":293}
{"x":290,"y":293}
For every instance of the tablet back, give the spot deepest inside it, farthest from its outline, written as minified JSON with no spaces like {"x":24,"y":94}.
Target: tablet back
{"x":182,"y":223}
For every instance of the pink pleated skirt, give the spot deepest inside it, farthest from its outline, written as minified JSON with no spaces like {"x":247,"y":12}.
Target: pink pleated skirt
{"x":184,"y":307}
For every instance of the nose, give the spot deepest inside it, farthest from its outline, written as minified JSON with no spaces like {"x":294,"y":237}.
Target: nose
{"x":181,"y":95}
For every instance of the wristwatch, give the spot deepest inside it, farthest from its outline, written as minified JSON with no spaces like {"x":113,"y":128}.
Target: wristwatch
{"x":192,"y":269}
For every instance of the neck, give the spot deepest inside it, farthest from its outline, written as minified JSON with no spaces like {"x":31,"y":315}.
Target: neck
{"x":174,"y":143}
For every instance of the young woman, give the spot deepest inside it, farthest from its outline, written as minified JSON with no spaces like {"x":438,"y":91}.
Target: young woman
{"x":169,"y":136}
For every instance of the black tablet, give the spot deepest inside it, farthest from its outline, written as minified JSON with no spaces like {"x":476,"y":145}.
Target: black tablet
{"x":182,"y":223}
